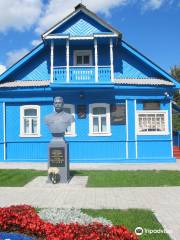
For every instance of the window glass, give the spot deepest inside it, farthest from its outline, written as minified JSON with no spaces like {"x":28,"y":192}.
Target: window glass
{"x":30,"y":112}
{"x":99,"y":110}
{"x":103,"y":124}
{"x":86,"y":59}
{"x":95,"y":124}
{"x":34,"y":125}
{"x":26,"y":126}
{"x":79,"y":60}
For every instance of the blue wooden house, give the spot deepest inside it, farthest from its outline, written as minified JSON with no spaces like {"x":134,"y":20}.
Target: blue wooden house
{"x":120,"y":99}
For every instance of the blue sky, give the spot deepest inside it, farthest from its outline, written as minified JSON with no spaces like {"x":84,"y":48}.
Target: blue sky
{"x":151,"y":26}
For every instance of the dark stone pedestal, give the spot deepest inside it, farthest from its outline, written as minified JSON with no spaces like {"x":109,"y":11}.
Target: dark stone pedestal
{"x":58,"y":157}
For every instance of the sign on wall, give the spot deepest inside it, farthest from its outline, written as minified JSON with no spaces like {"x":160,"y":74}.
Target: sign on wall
{"x":81,"y":111}
{"x":118,"y":113}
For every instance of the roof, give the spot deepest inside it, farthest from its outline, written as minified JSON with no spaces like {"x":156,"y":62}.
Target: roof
{"x":20,"y":83}
{"x":121,"y":81}
{"x":78,"y":8}
{"x":143,"y":81}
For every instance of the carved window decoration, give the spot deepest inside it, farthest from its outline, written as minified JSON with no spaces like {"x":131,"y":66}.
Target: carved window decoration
{"x":152,"y":122}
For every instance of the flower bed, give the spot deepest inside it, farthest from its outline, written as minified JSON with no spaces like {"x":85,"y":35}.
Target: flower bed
{"x":24,"y":219}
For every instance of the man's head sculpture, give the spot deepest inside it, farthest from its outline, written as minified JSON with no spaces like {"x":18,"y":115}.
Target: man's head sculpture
{"x":58,"y":104}
{"x":58,"y":121}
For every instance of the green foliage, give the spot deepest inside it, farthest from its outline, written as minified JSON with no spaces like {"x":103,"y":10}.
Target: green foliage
{"x":138,"y":178}
{"x":18,"y":177}
{"x":176,"y":121}
{"x":131,"y":219}
{"x":175,"y":72}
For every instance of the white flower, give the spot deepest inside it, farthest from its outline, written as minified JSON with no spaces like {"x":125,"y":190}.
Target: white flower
{"x":54,"y":170}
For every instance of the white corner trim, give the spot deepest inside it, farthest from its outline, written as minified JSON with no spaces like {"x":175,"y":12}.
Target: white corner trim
{"x":111,"y":59}
{"x":4,"y":130}
{"x":67,"y":60}
{"x":108,"y":119}
{"x":52,"y":61}
{"x":22,"y":133}
{"x":127,"y":131}
{"x":96,"y":59}
{"x":171,"y":129}
{"x":135,"y":119}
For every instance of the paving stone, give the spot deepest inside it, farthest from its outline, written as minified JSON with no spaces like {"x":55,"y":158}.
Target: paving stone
{"x":96,"y":166}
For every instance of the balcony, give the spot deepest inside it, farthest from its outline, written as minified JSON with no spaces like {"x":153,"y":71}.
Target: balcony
{"x":82,"y":74}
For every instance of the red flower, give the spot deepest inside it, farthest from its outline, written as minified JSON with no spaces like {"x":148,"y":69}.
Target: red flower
{"x":24,"y":219}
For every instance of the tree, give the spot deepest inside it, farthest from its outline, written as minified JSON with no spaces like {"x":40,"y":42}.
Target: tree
{"x":175,"y":72}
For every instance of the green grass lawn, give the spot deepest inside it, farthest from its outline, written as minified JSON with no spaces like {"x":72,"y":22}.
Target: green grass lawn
{"x":18,"y":177}
{"x":131,"y":219}
{"x":131,"y":178}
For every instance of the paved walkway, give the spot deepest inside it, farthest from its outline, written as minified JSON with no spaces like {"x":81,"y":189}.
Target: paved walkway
{"x":96,"y":166}
{"x":164,"y":201}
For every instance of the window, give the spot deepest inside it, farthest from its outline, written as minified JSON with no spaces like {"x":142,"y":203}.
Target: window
{"x":151,"y":105}
{"x":30,"y":121}
{"x":69,"y":108}
{"x":152,"y":122}
{"x":82,"y":57}
{"x":99,"y":119}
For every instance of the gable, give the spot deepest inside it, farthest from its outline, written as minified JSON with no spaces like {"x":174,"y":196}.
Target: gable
{"x":81,"y":25}
{"x":82,"y":21}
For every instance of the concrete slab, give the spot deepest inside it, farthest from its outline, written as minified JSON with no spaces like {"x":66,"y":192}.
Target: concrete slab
{"x":42,"y":182}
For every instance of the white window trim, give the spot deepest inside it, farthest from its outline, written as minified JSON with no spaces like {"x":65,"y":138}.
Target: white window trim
{"x":165,"y":112}
{"x":22,"y":108}
{"x":73,"y":128}
{"x":82,"y":52}
{"x":108,"y":119}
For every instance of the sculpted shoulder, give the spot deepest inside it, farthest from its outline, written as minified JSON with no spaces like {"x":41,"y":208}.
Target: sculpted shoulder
{"x":49,"y":117}
{"x":69,"y":117}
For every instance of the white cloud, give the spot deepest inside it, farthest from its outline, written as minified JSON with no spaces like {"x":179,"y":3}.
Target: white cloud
{"x":55,"y":10}
{"x":155,"y":4}
{"x":2,"y":69}
{"x":15,"y":55}
{"x":19,"y":14}
{"x":36,"y":42}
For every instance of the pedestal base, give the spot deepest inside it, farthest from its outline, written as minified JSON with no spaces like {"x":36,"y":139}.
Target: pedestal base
{"x":58,"y":159}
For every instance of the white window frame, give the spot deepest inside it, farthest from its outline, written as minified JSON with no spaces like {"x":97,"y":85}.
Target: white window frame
{"x":165,"y":112}
{"x":82,"y":53}
{"x":22,"y":109}
{"x":73,"y":128}
{"x":108,"y":119}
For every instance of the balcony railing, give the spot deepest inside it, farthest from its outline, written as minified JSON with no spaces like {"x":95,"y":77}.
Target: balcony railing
{"x":78,"y":74}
